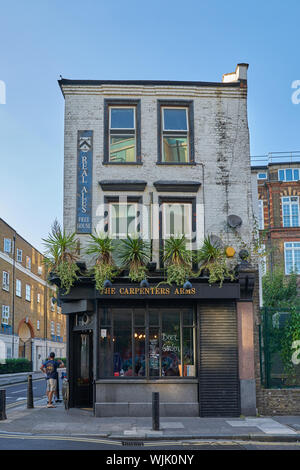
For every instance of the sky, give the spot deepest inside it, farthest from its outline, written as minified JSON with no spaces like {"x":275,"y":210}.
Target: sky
{"x":130,"y":40}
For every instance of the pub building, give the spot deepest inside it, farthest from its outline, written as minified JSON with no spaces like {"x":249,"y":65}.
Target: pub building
{"x":160,"y":158}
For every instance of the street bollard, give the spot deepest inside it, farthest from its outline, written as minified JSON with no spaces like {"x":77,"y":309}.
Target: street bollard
{"x":29,"y":392}
{"x":2,"y":404}
{"x":155,"y":411}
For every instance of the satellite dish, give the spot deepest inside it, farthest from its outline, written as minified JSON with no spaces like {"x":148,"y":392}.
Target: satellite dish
{"x":234,"y":221}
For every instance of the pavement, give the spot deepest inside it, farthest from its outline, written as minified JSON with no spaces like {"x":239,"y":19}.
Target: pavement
{"x":77,"y":422}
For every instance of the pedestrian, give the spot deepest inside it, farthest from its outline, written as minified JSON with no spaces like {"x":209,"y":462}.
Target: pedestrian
{"x":50,"y":367}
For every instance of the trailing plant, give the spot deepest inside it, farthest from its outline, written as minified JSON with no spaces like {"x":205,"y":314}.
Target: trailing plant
{"x":178,"y":260}
{"x":60,"y":256}
{"x":290,"y":341}
{"x":134,"y":253}
{"x":101,"y":247}
{"x":213,"y":258}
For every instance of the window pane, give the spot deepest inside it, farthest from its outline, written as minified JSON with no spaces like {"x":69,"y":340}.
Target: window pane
{"x":105,"y":316}
{"x":123,"y":220}
{"x":289,"y":174}
{"x":153,"y":317}
{"x":139,"y":353}
{"x":296,"y":175}
{"x":177,"y":220}
{"x":188,"y":317}
{"x":122,"y":148}
{"x":139,"y":317}
{"x":175,"y":149}
{"x":154,"y":367}
{"x":106,"y":363}
{"x":122,"y":118}
{"x":281,"y":175}
{"x":189,"y":368}
{"x":171,"y":359}
{"x":122,"y":343}
{"x":297,"y":261}
{"x":175,"y":120}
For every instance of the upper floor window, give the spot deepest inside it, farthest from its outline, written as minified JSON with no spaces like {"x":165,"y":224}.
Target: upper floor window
{"x":28,"y":262}
{"x":262,"y":176}
{"x":5,"y":314}
{"x":175,"y":140}
{"x":292,"y":257}
{"x":177,"y":220}
{"x":123,"y":219}
{"x":122,"y":131}
{"x":28,"y":292}
{"x":38,"y":298}
{"x":288,"y":174}
{"x":38,"y":324}
{"x":5,"y":280}
{"x":58,"y":329}
{"x":7,"y":245}
{"x":175,"y":132}
{"x":261,"y":223}
{"x":290,"y":211}
{"x":19,"y":255}
{"x":18,"y":288}
{"x":52,"y":328}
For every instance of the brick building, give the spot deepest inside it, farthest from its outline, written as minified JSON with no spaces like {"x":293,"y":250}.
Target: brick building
{"x":31,"y":323}
{"x":278,"y":188}
{"x":165,"y":158}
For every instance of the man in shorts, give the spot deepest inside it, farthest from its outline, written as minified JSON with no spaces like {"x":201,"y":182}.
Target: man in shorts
{"x":50,"y":369}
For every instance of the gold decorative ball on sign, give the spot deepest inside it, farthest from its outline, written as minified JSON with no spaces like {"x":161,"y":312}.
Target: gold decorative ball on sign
{"x":230,"y":252}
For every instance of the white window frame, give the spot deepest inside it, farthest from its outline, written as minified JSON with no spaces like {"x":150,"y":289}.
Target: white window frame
{"x":58,"y":329}
{"x":18,"y":288}
{"x":19,"y":255}
{"x":28,"y":262}
{"x":165,"y":235}
{"x":52,"y":328}
{"x":5,"y":314}
{"x":293,"y":173}
{"x":5,"y":280}
{"x":38,"y":298}
{"x":7,"y":244}
{"x":28,"y":292}
{"x":290,"y":203}
{"x":110,"y":224}
{"x":38,"y":324}
{"x":294,"y":246}
{"x":261,"y":218}
{"x":40,"y":270}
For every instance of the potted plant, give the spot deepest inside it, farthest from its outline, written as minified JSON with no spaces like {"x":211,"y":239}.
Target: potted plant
{"x":60,"y":256}
{"x":212,"y":257}
{"x":134,"y":253}
{"x":178,"y":260}
{"x":101,"y":247}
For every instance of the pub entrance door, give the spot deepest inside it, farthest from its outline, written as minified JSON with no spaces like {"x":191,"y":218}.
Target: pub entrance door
{"x":83,"y":370}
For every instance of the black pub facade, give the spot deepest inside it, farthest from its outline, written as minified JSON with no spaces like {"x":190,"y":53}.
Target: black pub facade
{"x":160,"y":159}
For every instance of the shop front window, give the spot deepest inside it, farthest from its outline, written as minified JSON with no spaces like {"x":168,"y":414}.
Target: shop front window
{"x":147,"y":343}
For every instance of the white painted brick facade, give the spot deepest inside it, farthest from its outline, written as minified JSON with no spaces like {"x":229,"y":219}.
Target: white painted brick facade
{"x":222,"y":153}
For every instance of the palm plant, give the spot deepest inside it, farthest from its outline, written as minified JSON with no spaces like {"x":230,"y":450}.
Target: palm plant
{"x":101,"y":247}
{"x":134,"y":253}
{"x":178,"y":260}
{"x":213,"y":258}
{"x":60,"y":255}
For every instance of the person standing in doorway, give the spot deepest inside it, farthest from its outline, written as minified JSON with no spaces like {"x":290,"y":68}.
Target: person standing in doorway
{"x":50,"y":367}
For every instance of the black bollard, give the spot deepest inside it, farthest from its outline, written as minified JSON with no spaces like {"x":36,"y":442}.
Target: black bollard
{"x":155,"y":411}
{"x":29,"y":392}
{"x":2,"y":404}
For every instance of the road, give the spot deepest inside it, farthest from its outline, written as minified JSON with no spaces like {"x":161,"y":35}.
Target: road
{"x":41,"y":442}
{"x":16,"y":394}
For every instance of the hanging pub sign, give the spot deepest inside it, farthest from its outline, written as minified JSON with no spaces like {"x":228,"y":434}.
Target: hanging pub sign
{"x":84,"y":182}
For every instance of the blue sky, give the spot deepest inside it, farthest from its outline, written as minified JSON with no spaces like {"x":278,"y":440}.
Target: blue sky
{"x":159,"y":40}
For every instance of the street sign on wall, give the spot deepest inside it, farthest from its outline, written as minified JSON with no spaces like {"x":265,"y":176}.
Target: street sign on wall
{"x":84,"y":182}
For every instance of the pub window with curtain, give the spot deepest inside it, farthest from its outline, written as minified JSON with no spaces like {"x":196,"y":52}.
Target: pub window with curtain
{"x":177,"y":221}
{"x":123,"y":220}
{"x":122,"y":134}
